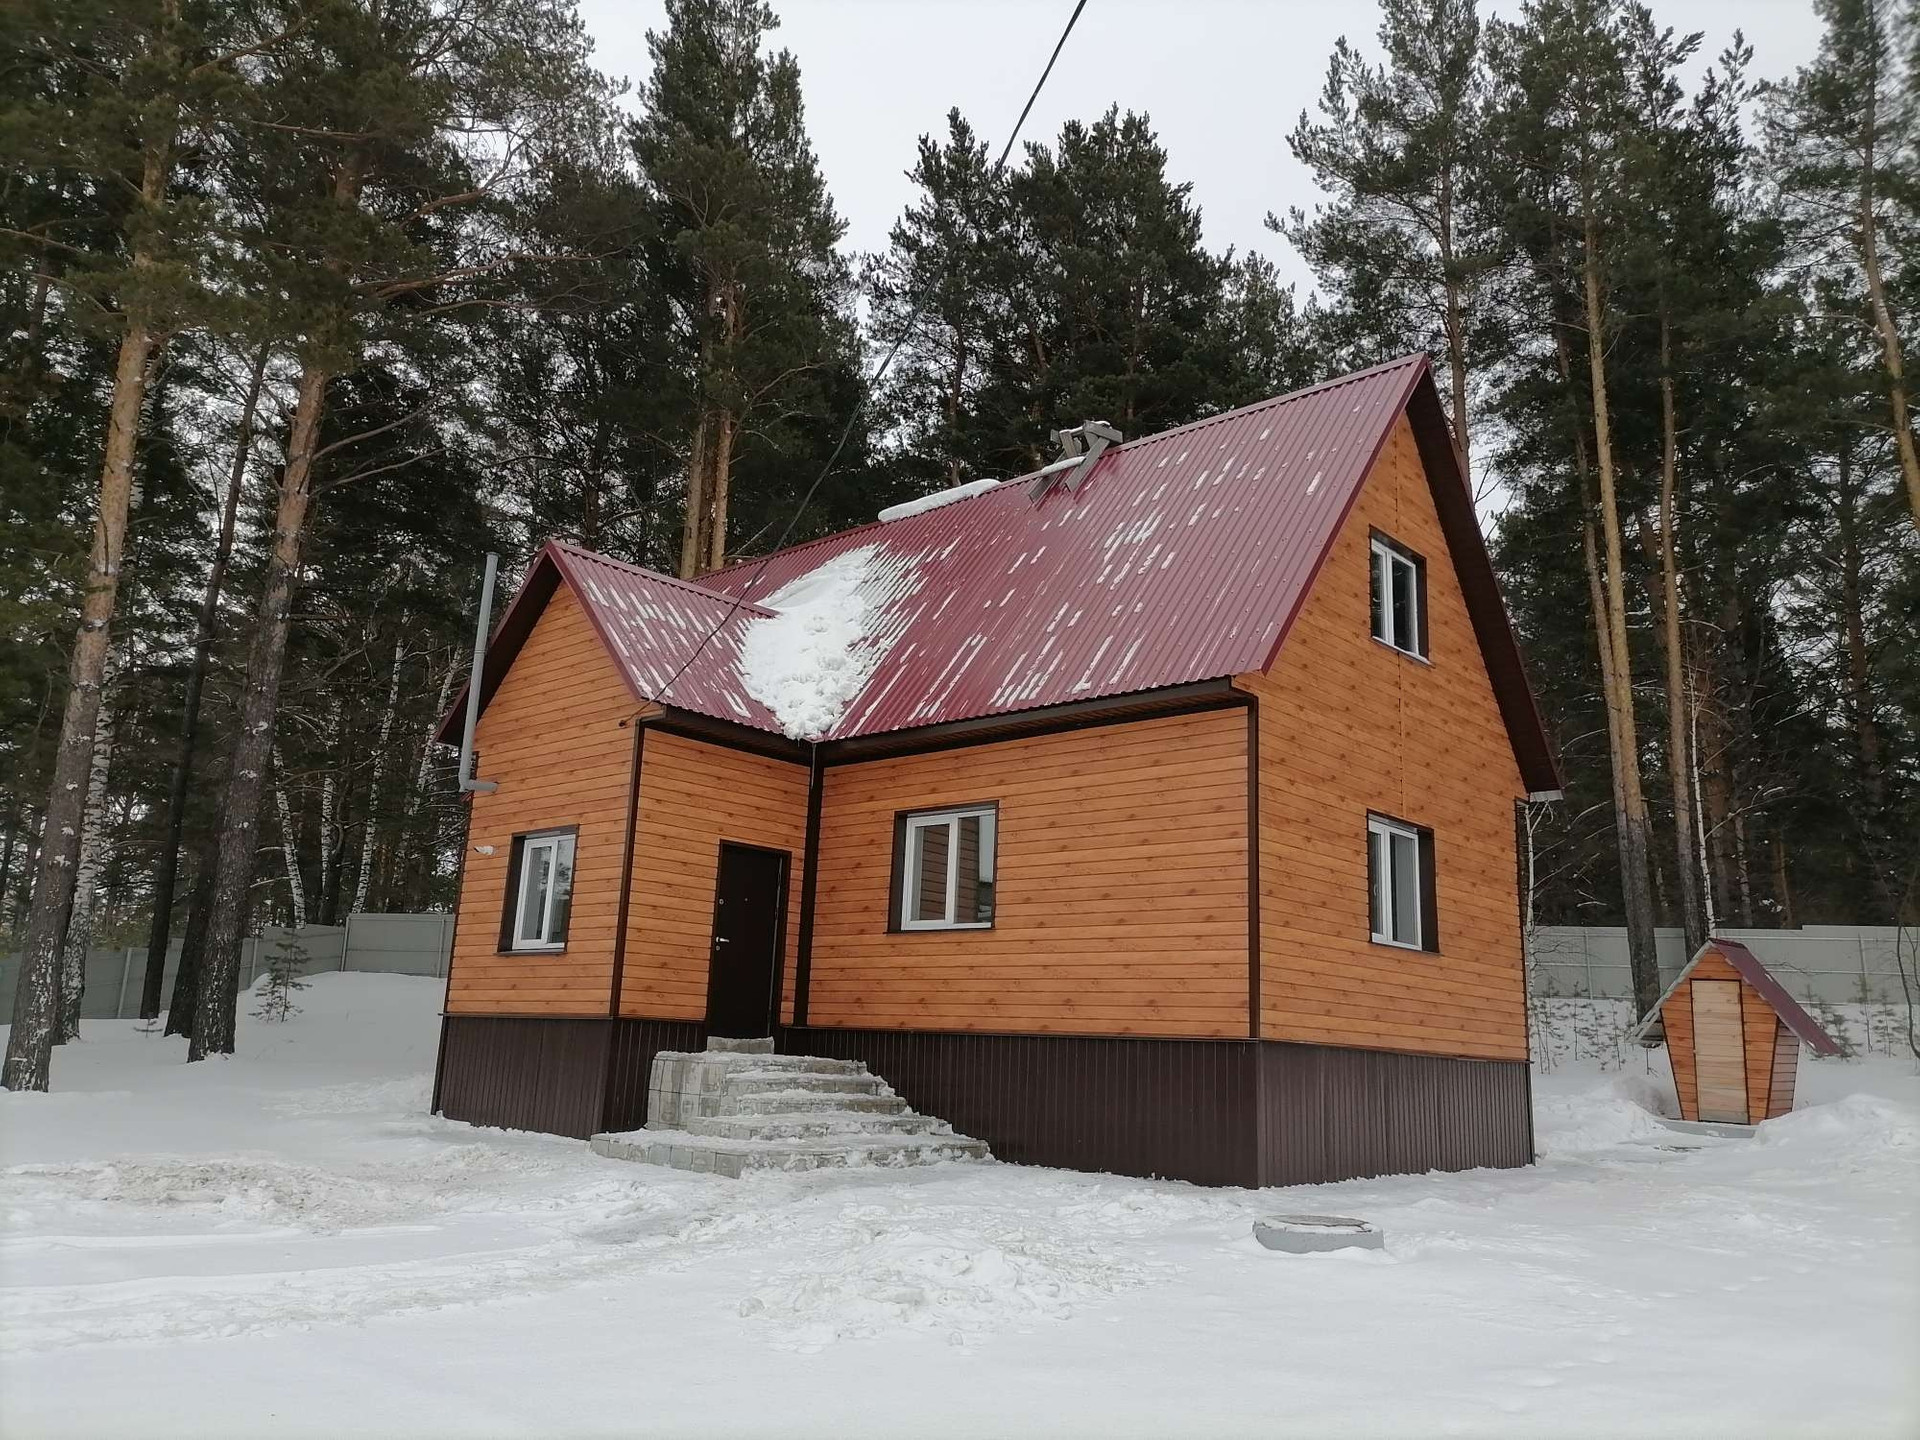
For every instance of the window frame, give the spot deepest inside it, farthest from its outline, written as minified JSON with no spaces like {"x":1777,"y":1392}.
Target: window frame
{"x":518,"y":858}
{"x":1381,"y":830}
{"x":1383,"y":553}
{"x":901,"y":891}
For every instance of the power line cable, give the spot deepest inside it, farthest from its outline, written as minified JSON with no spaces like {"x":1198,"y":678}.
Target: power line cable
{"x":740,"y":596}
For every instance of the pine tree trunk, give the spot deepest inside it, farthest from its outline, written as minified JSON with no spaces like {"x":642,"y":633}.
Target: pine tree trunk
{"x":289,"y":843}
{"x":1693,"y":920}
{"x":1883,"y":322}
{"x":166,"y":877}
{"x":1869,"y":768}
{"x":253,"y":741}
{"x":36,"y":1001}
{"x":722,"y":486}
{"x":86,"y":886}
{"x":182,"y":1011}
{"x":363,"y":883}
{"x":693,"y":539}
{"x":1636,"y":881}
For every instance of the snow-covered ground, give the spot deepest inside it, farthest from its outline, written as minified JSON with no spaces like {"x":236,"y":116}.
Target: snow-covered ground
{"x":286,"y":1243}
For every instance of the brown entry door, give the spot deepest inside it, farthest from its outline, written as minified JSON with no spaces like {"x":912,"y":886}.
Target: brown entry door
{"x":749,"y":928}
{"x":1719,"y":1056}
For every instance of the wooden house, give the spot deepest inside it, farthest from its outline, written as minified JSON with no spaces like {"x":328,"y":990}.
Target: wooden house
{"x":1167,"y":827}
{"x":1734,"y":1036}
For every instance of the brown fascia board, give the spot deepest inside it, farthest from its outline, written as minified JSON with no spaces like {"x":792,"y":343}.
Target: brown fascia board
{"x":1486,"y":607}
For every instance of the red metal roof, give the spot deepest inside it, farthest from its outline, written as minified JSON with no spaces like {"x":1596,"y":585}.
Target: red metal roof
{"x":1760,"y":978}
{"x":1182,"y":557}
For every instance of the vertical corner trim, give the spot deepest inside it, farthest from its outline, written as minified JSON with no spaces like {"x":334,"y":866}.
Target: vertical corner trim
{"x":1253,"y":867}
{"x":626,"y":870}
{"x":809,"y":876}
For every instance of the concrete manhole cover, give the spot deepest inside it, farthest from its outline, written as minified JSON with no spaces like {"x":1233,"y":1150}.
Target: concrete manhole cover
{"x":1309,"y":1234}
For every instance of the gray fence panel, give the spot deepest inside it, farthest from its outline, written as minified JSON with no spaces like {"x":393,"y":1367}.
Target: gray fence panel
{"x":1838,"y":964}
{"x":399,"y":944}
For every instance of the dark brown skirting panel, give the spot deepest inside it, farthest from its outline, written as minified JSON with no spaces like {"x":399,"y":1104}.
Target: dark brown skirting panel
{"x":1182,"y":1109}
{"x":524,"y":1074}
{"x":630,"y":1061}
{"x":1216,"y":1112}
{"x":1330,"y":1113}
{"x":560,"y":1076}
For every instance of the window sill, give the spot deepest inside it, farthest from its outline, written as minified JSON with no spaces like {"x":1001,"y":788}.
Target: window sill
{"x":1413,"y":655}
{"x":559,"y":949}
{"x":1387,"y":944}
{"x":939,"y":929}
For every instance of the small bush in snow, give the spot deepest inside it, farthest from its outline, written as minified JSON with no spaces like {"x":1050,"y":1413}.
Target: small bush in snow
{"x":282,"y":979}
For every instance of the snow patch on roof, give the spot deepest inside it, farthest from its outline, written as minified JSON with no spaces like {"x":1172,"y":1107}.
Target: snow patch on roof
{"x":907,"y":509}
{"x":817,"y":651}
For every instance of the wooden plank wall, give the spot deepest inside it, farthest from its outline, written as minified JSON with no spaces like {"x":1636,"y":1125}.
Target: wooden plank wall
{"x":692,"y":796}
{"x":1786,"y":1067}
{"x":1121,"y":904}
{"x":1759,"y":1024}
{"x":1676,"y":1018}
{"x":1348,"y":725}
{"x":551,"y":736}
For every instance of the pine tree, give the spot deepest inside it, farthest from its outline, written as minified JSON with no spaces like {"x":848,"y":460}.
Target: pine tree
{"x":1405,"y":243}
{"x":1844,"y":148}
{"x":282,"y":980}
{"x":746,"y":249}
{"x":365,"y":240}
{"x":125,"y":81}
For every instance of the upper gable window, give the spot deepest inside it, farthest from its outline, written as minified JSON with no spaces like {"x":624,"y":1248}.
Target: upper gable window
{"x":1399,"y":597}
{"x":943,"y":864}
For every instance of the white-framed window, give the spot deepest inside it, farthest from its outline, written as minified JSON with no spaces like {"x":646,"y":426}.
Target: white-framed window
{"x":542,"y":891}
{"x":1399,"y":594}
{"x":944,"y":867}
{"x":1400,"y":884}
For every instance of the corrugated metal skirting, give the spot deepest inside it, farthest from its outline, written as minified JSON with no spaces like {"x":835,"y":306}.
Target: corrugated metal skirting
{"x":1333,"y":1114}
{"x":524,"y":1074}
{"x":635,"y":1043}
{"x":1183,"y":1109}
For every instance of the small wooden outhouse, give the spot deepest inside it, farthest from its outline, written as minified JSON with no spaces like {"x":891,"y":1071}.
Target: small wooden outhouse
{"x":1734,"y":1036}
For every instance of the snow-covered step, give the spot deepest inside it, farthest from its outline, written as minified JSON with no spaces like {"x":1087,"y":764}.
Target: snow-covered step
{"x":798,"y":1102}
{"x":814,"y":1125}
{"x":754,"y":1082}
{"x":737,"y":1106}
{"x":709,"y":1154}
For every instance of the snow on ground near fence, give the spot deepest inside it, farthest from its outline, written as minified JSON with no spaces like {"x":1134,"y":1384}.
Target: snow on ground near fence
{"x":285,"y":1243}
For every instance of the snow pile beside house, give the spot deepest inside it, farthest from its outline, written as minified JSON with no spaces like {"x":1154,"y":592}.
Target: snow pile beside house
{"x":806,"y":662}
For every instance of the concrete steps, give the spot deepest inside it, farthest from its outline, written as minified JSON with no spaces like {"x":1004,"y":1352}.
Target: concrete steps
{"x":737,"y":1107}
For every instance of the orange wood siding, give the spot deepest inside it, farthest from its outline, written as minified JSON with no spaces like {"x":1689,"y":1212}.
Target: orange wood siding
{"x":1758,"y":1024}
{"x":1348,"y":725}
{"x":1676,"y":1018}
{"x":1786,"y":1067}
{"x":692,"y":796}
{"x":1121,"y":895}
{"x":551,"y":737}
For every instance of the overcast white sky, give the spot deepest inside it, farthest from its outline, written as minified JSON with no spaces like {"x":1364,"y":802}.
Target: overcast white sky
{"x":1224,"y":81}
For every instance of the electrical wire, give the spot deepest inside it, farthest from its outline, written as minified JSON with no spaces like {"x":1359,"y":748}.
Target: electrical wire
{"x":739,"y":597}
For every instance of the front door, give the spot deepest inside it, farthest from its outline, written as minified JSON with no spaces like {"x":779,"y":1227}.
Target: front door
{"x":749,"y":931}
{"x":1719,"y":1051}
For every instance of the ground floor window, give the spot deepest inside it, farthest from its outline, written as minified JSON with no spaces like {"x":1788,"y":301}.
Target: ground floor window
{"x":1400,"y":884}
{"x":943,"y":868}
{"x":539,"y":891}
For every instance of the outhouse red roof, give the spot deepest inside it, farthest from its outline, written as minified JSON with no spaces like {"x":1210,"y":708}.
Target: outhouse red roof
{"x":1791,"y":1014}
{"x":1181,"y":557}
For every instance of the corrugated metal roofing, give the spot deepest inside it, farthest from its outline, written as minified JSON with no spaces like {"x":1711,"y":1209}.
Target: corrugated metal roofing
{"x":1182,"y":557}
{"x":654,"y":624}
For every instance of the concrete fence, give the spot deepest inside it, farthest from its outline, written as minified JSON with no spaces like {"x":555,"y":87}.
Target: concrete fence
{"x":389,"y":944}
{"x":1840,"y":964}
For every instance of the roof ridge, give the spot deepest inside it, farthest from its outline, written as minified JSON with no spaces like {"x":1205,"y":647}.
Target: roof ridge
{"x":1415,"y":357}
{"x":563,"y":547}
